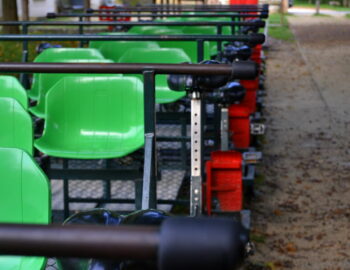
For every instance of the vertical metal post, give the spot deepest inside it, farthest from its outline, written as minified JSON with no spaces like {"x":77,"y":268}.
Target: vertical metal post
{"x":25,"y":53}
{"x":219,"y":43}
{"x":81,"y":31}
{"x":183,"y":143}
{"x":200,"y":50}
{"x":224,"y":130}
{"x":65,"y":191}
{"x":196,"y":155}
{"x":233,"y":27}
{"x":149,"y":188}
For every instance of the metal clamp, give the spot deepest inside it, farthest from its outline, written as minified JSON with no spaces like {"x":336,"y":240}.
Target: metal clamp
{"x":252,"y":157}
{"x":257,"y":129}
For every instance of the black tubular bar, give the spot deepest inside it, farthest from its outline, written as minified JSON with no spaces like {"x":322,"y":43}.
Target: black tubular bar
{"x":185,"y":8}
{"x":252,"y":38}
{"x":139,"y":15}
{"x":234,"y":70}
{"x":237,"y":70}
{"x":146,"y":23}
{"x":119,"y":242}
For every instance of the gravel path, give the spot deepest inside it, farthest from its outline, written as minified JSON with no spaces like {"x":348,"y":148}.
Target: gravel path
{"x":302,"y":210}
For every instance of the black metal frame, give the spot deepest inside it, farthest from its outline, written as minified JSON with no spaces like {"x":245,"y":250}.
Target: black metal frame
{"x":149,"y":71}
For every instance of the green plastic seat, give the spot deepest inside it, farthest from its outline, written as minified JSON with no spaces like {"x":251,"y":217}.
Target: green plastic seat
{"x":47,"y":80}
{"x":93,"y":118}
{"x":189,"y":47}
{"x":12,"y":88}
{"x":156,"y":30}
{"x":16,"y":129}
{"x":115,"y":49}
{"x":59,"y":54}
{"x":25,"y":198}
{"x":163,"y":56}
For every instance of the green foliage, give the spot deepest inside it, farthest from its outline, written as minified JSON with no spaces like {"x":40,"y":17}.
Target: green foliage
{"x":324,"y":5}
{"x":257,"y":238}
{"x":280,"y":29}
{"x":11,"y":51}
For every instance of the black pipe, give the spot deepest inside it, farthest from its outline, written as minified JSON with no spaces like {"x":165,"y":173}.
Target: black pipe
{"x":120,"y":242}
{"x":252,"y":38}
{"x":179,"y":243}
{"x":187,"y":9}
{"x":146,"y":23}
{"x":226,"y":15}
{"x":238,"y":70}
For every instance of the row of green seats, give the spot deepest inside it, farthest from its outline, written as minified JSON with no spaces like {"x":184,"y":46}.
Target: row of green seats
{"x":16,"y":129}
{"x":115,"y":49}
{"x":24,"y":188}
{"x":87,"y":117}
{"x":25,"y":198}
{"x":43,"y":82}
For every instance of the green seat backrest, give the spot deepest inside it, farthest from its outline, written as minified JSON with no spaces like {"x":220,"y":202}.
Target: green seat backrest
{"x":93,"y":118}
{"x":47,"y":80}
{"x":94,"y":44}
{"x":16,"y":130}
{"x":59,"y":54}
{"x":24,"y":198}
{"x":11,"y":87}
{"x":189,"y":47}
{"x":156,"y":30}
{"x":115,"y":49}
{"x":164,"y":55}
{"x":54,"y":54}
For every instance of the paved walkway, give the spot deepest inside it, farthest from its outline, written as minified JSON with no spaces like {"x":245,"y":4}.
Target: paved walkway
{"x":312,"y":11}
{"x":302,"y":210}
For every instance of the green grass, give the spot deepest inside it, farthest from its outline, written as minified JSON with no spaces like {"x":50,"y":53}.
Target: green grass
{"x":11,"y":51}
{"x":305,"y":4}
{"x":281,"y":30}
{"x":321,"y":15}
{"x":347,"y":16}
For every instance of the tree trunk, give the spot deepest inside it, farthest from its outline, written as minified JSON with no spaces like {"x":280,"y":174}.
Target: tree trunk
{"x":87,"y":5}
{"x":9,"y":9}
{"x":284,"y":6}
{"x":25,"y":10}
{"x":318,"y":2}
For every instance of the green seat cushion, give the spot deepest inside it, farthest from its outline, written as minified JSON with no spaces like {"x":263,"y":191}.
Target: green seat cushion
{"x":25,"y":198}
{"x":93,"y":118}
{"x":11,"y":87}
{"x":47,"y":80}
{"x":58,"y":54}
{"x":164,"y":55}
{"x":16,"y":129}
{"x":115,"y":49}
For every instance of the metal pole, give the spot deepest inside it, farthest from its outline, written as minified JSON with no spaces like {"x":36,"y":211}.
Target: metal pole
{"x":81,"y":31}
{"x":25,"y":53}
{"x":86,"y":241}
{"x":196,"y":155}
{"x":200,"y":50}
{"x":149,"y":190}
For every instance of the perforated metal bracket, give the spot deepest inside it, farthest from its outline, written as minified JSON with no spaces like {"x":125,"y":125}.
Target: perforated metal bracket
{"x":257,"y":129}
{"x":196,"y":154}
{"x":224,"y":129}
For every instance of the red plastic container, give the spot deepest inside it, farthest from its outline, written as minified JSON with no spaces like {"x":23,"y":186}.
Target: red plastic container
{"x":249,"y":100}
{"x":224,"y":181}
{"x":239,"y":125}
